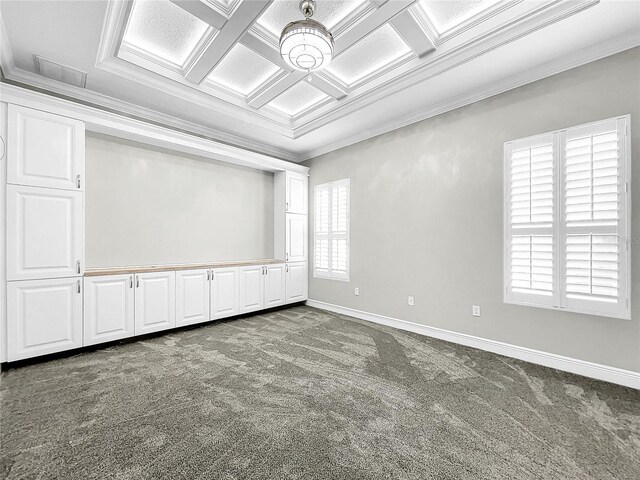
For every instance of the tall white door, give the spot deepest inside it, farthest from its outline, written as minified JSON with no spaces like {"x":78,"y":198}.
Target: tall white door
{"x":297,"y":282}
{"x":296,"y":196}
{"x":155,"y":302}
{"x":43,"y":316}
{"x":251,"y":288}
{"x":225,"y":294}
{"x":192,"y":296}
{"x":296,"y":238}
{"x":274,"y":285}
{"x":44,"y":149}
{"x":108,"y":308}
{"x":45,"y":233}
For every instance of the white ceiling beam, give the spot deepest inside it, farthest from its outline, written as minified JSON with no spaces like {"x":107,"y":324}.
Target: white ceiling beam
{"x":246,"y":14}
{"x":412,"y":34}
{"x":267,"y":51}
{"x":202,"y":11}
{"x":272,"y":91}
{"x":327,"y":87}
{"x":382,"y":15}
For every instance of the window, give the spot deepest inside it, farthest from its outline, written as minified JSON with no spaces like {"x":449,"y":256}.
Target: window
{"x":331,"y":230}
{"x":567,"y":219}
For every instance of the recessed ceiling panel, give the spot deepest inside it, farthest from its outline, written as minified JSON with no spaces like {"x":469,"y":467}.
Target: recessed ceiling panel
{"x":446,"y":14}
{"x":297,"y":99}
{"x":330,"y":13}
{"x":163,"y":30}
{"x":242,"y":70}
{"x":375,"y":52}
{"x":226,"y":7}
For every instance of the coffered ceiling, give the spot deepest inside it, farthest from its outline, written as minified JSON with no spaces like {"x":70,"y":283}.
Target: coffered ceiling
{"x":213,"y":67}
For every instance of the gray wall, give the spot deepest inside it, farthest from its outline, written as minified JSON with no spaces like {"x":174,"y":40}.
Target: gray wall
{"x":426,"y":215}
{"x":147,"y":206}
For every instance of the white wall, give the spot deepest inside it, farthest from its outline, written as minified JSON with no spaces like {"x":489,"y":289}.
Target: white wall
{"x":148,"y":206}
{"x":426,"y":215}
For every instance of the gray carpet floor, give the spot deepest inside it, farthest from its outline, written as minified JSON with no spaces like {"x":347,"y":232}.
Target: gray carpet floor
{"x":302,"y":393}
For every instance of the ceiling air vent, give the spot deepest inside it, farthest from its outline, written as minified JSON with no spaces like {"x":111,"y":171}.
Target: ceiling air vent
{"x":62,"y":73}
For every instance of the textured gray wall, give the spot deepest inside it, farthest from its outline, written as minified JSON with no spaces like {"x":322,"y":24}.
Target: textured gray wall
{"x":148,"y":206}
{"x":426,"y":215}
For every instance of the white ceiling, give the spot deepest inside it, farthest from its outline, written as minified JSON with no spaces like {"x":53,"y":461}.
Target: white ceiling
{"x":212,"y":67}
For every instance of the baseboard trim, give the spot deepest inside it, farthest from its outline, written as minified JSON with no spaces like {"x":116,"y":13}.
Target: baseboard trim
{"x":618,"y":376}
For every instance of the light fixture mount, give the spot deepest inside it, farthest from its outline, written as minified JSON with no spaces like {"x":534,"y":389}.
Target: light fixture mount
{"x":306,"y":44}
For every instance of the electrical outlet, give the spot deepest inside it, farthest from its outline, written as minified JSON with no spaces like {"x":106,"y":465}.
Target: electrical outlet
{"x":357,"y":291}
{"x":476,"y":310}
{"x":410,"y":301}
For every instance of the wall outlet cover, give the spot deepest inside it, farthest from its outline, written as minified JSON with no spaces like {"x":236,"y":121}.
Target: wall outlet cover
{"x":410,"y":301}
{"x":476,"y":310}
{"x":357,"y":291}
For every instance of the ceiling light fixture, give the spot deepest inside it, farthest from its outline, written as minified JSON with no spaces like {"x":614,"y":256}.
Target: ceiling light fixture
{"x":306,"y":44}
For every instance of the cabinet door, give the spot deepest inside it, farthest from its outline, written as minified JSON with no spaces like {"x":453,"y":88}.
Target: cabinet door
{"x":192,"y":296}
{"x":251,"y":288}
{"x":108,"y":308}
{"x":296,"y":238}
{"x":225,"y":294}
{"x":274,"y":285}
{"x":296,"y":196}
{"x":43,"y":316}
{"x":44,"y":150}
{"x":297,"y":282}
{"x":155,"y":305}
{"x":45,"y":233}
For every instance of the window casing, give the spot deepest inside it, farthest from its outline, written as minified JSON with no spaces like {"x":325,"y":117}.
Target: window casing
{"x":567,"y":219}
{"x":331,"y":230}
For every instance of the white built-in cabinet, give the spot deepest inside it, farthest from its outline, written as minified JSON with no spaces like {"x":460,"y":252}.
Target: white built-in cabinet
{"x":45,"y":316}
{"x":108,"y":308}
{"x":51,"y":306}
{"x":44,"y":149}
{"x":296,"y":237}
{"x":155,"y":302}
{"x":192,"y":296}
{"x":45,"y":233}
{"x":225,"y":292}
{"x":296,"y":193}
{"x":296,"y":283}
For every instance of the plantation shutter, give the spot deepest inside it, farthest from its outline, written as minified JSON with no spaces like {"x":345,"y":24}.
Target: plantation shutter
{"x":530,"y":216}
{"x":331,"y":230}
{"x":594,"y":230}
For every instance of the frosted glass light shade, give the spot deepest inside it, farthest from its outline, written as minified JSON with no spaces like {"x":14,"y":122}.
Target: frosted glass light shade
{"x":306,"y":45}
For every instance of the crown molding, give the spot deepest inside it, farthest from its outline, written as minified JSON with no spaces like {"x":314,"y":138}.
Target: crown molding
{"x":114,"y":124}
{"x":592,"y":54}
{"x":466,"y":52}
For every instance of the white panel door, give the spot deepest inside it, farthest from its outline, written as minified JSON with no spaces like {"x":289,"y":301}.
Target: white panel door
{"x":43,"y":316}
{"x":274,"y":285}
{"x":45,"y":233}
{"x":44,"y":150}
{"x":296,"y":197}
{"x":155,"y":302}
{"x":251,"y":288}
{"x":192,"y":296}
{"x":297,"y":282}
{"x":108,"y":308}
{"x":225,"y":292}
{"x":296,"y":238}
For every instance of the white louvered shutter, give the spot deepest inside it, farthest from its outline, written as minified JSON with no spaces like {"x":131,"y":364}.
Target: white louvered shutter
{"x":593,"y":233}
{"x":321,"y":230}
{"x":530,"y":220}
{"x":331,"y":230}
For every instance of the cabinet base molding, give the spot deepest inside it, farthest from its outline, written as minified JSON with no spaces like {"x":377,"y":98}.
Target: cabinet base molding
{"x":597,"y":371}
{"x":123,"y":341}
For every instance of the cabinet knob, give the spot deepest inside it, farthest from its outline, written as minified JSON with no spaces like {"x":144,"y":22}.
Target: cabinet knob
{"x":137,"y":281}
{"x":131,"y":281}
{"x":78,"y":265}
{"x":78,"y":283}
{"x":78,"y":181}
{"x":286,"y":206}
